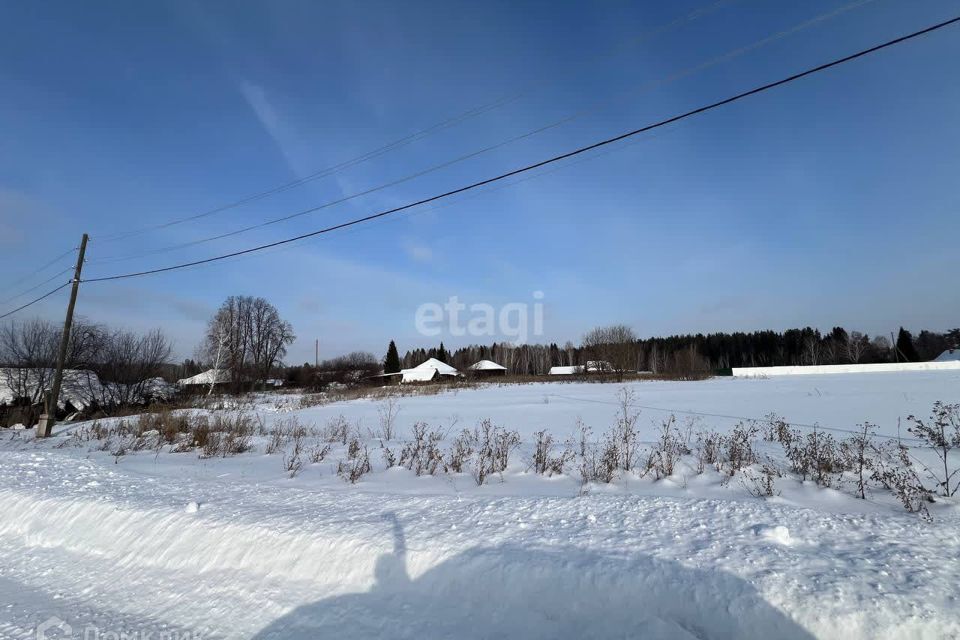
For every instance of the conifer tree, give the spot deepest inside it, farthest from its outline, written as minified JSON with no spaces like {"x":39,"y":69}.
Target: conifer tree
{"x":905,"y":346}
{"x":391,"y":364}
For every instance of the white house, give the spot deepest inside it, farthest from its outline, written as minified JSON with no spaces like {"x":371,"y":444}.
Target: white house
{"x":429,"y":370}
{"x":487,"y":368}
{"x":593,"y":366}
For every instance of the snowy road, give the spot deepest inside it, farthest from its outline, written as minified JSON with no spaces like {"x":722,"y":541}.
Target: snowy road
{"x":106,"y":549}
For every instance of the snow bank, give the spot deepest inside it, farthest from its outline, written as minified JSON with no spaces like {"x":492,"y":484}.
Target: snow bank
{"x":276,"y":562}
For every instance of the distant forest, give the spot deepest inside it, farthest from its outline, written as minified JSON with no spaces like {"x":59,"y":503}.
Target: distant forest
{"x":711,"y":352}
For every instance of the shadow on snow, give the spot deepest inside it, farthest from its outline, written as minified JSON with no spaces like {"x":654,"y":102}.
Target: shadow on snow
{"x":512,"y":592}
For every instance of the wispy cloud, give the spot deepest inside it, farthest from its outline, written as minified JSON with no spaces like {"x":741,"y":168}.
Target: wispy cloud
{"x":279,"y":129}
{"x":418,"y":251}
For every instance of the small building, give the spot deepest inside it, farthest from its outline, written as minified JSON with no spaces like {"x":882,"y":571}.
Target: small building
{"x":487,"y":368}
{"x":593,"y":366}
{"x":432,"y":369}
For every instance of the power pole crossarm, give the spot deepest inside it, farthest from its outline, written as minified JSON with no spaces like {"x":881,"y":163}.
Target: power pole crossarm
{"x":45,"y":426}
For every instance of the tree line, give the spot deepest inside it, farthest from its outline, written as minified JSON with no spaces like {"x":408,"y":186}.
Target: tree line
{"x":712,"y":352}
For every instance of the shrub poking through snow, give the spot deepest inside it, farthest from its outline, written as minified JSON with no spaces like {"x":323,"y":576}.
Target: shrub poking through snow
{"x":319,"y":452}
{"x":941,"y":432}
{"x":544,"y":461}
{"x":776,"y":429}
{"x":761,"y":483}
{"x":708,"y":450}
{"x":895,"y":472}
{"x":625,"y":429}
{"x":858,"y":455}
{"x":355,"y":468}
{"x":667,"y":451}
{"x":493,"y":446}
{"x":815,"y":456}
{"x":460,"y":452}
{"x":337,"y":430}
{"x":738,"y":446}
{"x":387,"y":414}
{"x":422,"y":453}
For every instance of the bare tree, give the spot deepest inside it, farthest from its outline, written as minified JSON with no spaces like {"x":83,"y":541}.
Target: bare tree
{"x":615,"y":345}
{"x":124,"y":365}
{"x":856,"y":346}
{"x":248,"y":336}
{"x":28,"y":355}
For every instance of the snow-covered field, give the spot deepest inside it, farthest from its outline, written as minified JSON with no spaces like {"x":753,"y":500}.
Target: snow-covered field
{"x":175,"y":545}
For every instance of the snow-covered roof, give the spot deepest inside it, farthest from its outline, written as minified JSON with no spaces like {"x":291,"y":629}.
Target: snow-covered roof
{"x":592,"y":367}
{"x":211,"y":376}
{"x":428,"y":370}
{"x":565,"y":371}
{"x":487,"y":365}
{"x":950,"y":355}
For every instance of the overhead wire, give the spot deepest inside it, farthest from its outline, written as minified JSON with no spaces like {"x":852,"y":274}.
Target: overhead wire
{"x":35,"y":301}
{"x":725,"y":57}
{"x":38,"y":270}
{"x":551,"y":160}
{"x":423,"y":133}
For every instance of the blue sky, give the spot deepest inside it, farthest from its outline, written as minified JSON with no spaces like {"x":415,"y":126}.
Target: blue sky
{"x":830,"y":201}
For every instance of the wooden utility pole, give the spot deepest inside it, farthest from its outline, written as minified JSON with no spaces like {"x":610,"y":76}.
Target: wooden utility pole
{"x":45,"y":426}
{"x":316,"y":353}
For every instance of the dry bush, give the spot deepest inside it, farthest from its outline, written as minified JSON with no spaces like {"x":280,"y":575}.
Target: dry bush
{"x":739,"y":446}
{"x":336,"y":430}
{"x":422,"y":454}
{"x":761,"y":483}
{"x":318,"y":453}
{"x":815,"y":456}
{"x":941,"y":432}
{"x":387,"y":414}
{"x":625,"y":429}
{"x":776,"y":429}
{"x":292,"y":462}
{"x":544,"y":461}
{"x":598,"y":463}
{"x":229,"y":434}
{"x":352,"y":470}
{"x":708,"y":449}
{"x":893,"y":470}
{"x":858,"y":455}
{"x":668,"y":449}
{"x":493,"y":446}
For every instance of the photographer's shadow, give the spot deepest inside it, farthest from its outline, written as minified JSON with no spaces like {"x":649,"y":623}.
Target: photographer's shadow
{"x":512,"y":592}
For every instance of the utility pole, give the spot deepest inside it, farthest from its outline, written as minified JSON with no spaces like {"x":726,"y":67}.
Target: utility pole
{"x":316,"y":353}
{"x":45,"y":426}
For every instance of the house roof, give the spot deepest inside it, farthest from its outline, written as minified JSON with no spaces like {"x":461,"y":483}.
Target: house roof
{"x":950,"y":355}
{"x":211,"y":376}
{"x":487,"y":365}
{"x":427,"y":370}
{"x":433,"y":363}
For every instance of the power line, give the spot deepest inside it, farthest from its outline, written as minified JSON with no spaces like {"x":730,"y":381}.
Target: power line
{"x":36,"y":300}
{"x":730,"y":55}
{"x":36,"y":286}
{"x":423,"y":133}
{"x":39,"y":270}
{"x":530,"y":167}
